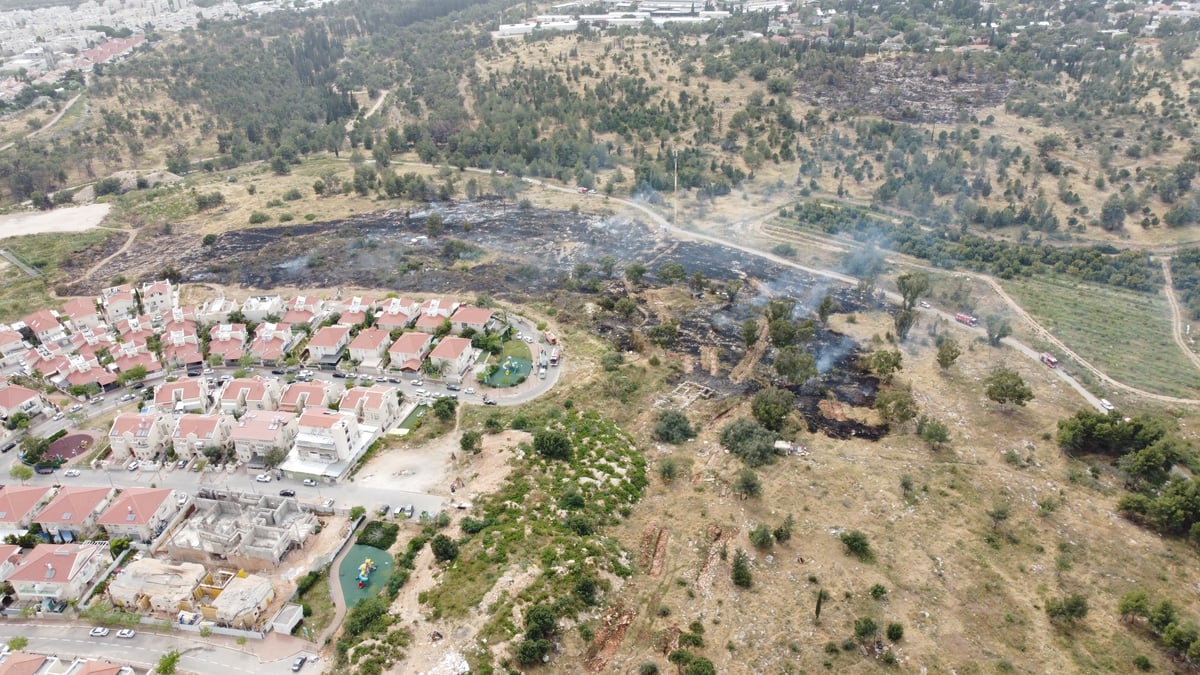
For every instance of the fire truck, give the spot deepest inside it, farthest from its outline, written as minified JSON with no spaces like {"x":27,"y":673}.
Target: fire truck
{"x":1049,"y":360}
{"x":966,"y":319}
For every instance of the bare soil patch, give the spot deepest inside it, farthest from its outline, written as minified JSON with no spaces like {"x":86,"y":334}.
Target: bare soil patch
{"x":70,"y":219}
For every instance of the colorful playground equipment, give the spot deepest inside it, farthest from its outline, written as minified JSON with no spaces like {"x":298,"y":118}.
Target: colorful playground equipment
{"x":364,"y":571}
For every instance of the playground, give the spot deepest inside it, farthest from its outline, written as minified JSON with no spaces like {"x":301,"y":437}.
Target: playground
{"x":360,"y":580}
{"x":510,"y":372}
{"x":69,"y":447}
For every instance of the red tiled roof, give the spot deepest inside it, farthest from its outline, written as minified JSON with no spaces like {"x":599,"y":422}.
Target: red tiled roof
{"x":472,"y":315}
{"x":329,"y":336}
{"x":16,"y":501}
{"x":14,"y":395}
{"x":450,"y":348}
{"x":73,"y":505}
{"x":134,"y":506}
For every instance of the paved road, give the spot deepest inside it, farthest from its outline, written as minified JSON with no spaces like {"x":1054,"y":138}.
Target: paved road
{"x":143,"y":650}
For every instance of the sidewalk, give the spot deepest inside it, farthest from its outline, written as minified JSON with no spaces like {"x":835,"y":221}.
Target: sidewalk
{"x":339,"y":601}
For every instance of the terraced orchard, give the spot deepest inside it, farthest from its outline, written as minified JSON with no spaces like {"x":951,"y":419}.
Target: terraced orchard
{"x":581,"y":474}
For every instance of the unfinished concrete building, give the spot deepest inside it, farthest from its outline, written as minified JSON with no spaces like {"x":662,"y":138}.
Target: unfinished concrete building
{"x":249,"y":531}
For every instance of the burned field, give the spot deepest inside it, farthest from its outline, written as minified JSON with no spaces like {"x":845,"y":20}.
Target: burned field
{"x":492,"y":247}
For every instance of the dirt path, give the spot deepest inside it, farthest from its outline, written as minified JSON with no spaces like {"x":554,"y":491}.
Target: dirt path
{"x":374,"y":109}
{"x":124,"y":247}
{"x":53,"y":120}
{"x":1177,"y":320}
{"x":339,"y":600}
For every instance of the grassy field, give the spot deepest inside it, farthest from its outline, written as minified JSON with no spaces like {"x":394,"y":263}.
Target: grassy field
{"x":320,"y":601}
{"x":46,"y":253}
{"x":1127,"y":335}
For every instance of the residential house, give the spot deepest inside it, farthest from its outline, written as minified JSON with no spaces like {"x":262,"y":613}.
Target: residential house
{"x":258,"y":308}
{"x":44,"y":327}
{"x":73,"y":512}
{"x":158,"y":297}
{"x":227,"y":341}
{"x":304,"y":310}
{"x":217,"y":310}
{"x":477,"y":319}
{"x":94,"y":344}
{"x":369,"y":346}
{"x":433,"y":313}
{"x":250,"y":394}
{"x":193,"y":434}
{"x":139,"y":514}
{"x":354,"y":311}
{"x":377,"y":406}
{"x":272,"y":342}
{"x":258,"y":432}
{"x":17,"y":399}
{"x":19,"y":504}
{"x":22,"y":663}
{"x":327,"y":436}
{"x":58,"y":572}
{"x":138,"y":435}
{"x":12,"y":345}
{"x":328,"y":344}
{"x":409,"y":351}
{"x":118,"y":302}
{"x":451,"y":357}
{"x":10,"y":558}
{"x":152,"y":585}
{"x":185,"y":396}
{"x":83,"y":314}
{"x":181,"y":342}
{"x":300,"y":396}
{"x":129,"y":355}
{"x":77,"y":370}
{"x":395,"y":313}
{"x":135,"y":329}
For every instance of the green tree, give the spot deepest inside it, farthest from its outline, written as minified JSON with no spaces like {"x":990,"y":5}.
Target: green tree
{"x":274,"y":457}
{"x":673,"y":427}
{"x":857,"y":545}
{"x":884,"y":363}
{"x":700,"y":666}
{"x":761,"y":537}
{"x":552,"y":444}
{"x":895,"y":632}
{"x":912,"y":286}
{"x":822,"y":596}
{"x":753,"y":443}
{"x":1112,"y":214}
{"x":1070,"y":609}
{"x":671,"y":272}
{"x":444,"y":548}
{"x":783,"y":533}
{"x":935,"y":433}
{"x":749,"y":332}
{"x":1005,"y":386}
{"x":18,"y":642}
{"x":167,"y":663}
{"x":741,"y":569}
{"x":634,"y":272}
{"x":865,"y":629}
{"x":896,"y":406}
{"x":948,"y":352}
{"x":118,"y":546}
{"x":827,"y":307}
{"x":902,"y":322}
{"x":20,"y":472}
{"x":471,"y":442}
{"x":771,"y":406}
{"x":1134,"y":605}
{"x":748,"y":483}
{"x":434,"y":224}
{"x":998,"y":328}
{"x":540,"y":622}
{"x":444,"y":408}
{"x":794,"y":365}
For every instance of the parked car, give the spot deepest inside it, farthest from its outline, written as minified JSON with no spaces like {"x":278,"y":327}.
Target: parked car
{"x":408,"y":510}
{"x":134,"y":465}
{"x":58,"y":416}
{"x":263,"y":478}
{"x":8,"y":446}
{"x":128,"y":397}
{"x":181,"y":464}
{"x":277,"y":371}
{"x":309,"y":482}
{"x":1106,"y":404}
{"x":97,"y":400}
{"x":327,"y":504}
{"x":71,"y":473}
{"x":182,"y":499}
{"x":383,"y":510}
{"x":287,"y":493}
{"x":75,"y":408}
{"x":339,"y":374}
{"x":99,"y":631}
{"x":469,"y":390}
{"x":299,"y":663}
{"x":924,"y":304}
{"x":137,"y":385}
{"x":126,"y":633}
{"x":417,"y":382}
{"x":453,"y":387}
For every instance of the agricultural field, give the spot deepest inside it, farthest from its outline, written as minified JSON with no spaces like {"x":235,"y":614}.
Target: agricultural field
{"x":1126,"y":335}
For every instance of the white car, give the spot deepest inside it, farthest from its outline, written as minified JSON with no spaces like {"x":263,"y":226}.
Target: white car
{"x":309,"y":482}
{"x":99,"y":631}
{"x":58,"y":416}
{"x":133,"y":466}
{"x":1104,"y":403}
{"x":263,"y":478}
{"x":469,"y":390}
{"x":183,"y":497}
{"x":416,"y":383}
{"x":126,"y":633}
{"x":925,"y":304}
{"x":71,"y":473}
{"x":528,"y":340}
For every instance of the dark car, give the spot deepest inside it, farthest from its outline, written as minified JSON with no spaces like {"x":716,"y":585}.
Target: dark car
{"x":452,"y":387}
{"x":287,"y":493}
{"x":194,"y":373}
{"x":339,"y":374}
{"x":277,"y":371}
{"x":383,"y":510}
{"x":138,"y":385}
{"x":45,"y":469}
{"x":8,"y":446}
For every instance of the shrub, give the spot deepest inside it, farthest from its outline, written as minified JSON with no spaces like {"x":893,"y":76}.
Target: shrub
{"x":741,"y":569}
{"x":379,"y":534}
{"x":258,"y":217}
{"x":857,"y":545}
{"x":895,"y":632}
{"x":878,"y":592}
{"x":444,"y":548}
{"x":551,"y":444}
{"x":761,"y":537}
{"x":673,"y":427}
